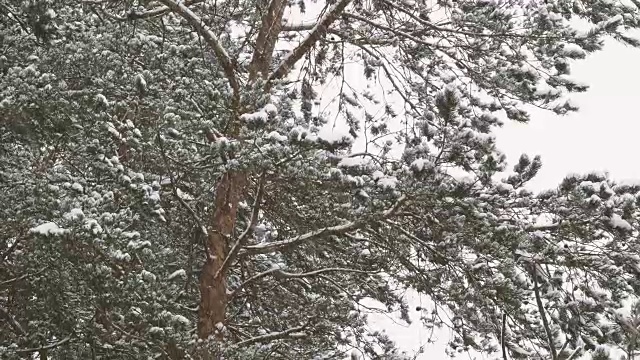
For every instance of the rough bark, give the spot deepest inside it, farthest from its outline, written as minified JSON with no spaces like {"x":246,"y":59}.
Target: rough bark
{"x":229,"y":191}
{"x":213,"y":290}
{"x":271,"y":24}
{"x":231,"y":187}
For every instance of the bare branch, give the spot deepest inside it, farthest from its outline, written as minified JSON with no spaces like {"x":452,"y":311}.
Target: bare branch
{"x":328,"y":231}
{"x":211,"y":39}
{"x":248,"y":231}
{"x":318,"y":31}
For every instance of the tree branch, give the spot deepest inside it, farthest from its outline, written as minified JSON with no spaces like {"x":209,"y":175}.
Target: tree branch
{"x":6,"y":282}
{"x":289,"y":333}
{"x":279,"y":274}
{"x":545,"y":322}
{"x":457,"y":31}
{"x":211,"y":39}
{"x":399,"y":33}
{"x":267,"y":36}
{"x":12,"y":322}
{"x":159,"y":11}
{"x":502,"y":336}
{"x":46,"y":347}
{"x":317,"y":32}
{"x":233,"y":253}
{"x":328,"y":231}
{"x":575,"y":353}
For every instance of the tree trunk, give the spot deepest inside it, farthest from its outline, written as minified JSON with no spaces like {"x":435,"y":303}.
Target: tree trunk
{"x":213,"y":290}
{"x":230,"y":189}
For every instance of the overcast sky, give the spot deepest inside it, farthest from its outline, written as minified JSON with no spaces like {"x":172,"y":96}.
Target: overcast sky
{"x":603,"y":136}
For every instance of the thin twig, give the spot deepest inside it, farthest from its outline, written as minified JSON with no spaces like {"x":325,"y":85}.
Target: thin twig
{"x":6,"y":282}
{"x":289,"y":333}
{"x":545,"y":322}
{"x":328,"y":231}
{"x":502,"y":336}
{"x":279,"y":274}
{"x":317,"y":32}
{"x":575,"y":353}
{"x":46,"y":347}
{"x":184,"y":204}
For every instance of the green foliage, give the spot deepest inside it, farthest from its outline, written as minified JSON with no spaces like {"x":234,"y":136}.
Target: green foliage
{"x":117,"y":119}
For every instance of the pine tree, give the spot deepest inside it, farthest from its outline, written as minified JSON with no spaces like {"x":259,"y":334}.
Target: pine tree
{"x":169,"y":191}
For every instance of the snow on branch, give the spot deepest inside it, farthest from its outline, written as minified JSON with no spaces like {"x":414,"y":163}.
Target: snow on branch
{"x":280,"y":274}
{"x":316,"y":33}
{"x":292,"y":333}
{"x":159,"y":11}
{"x":211,"y":39}
{"x":46,"y":347}
{"x":328,"y":231}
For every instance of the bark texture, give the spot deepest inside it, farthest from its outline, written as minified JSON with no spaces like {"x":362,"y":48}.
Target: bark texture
{"x":231,"y":188}
{"x":213,"y":290}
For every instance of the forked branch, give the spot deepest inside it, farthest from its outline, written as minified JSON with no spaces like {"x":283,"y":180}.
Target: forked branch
{"x":318,"y":31}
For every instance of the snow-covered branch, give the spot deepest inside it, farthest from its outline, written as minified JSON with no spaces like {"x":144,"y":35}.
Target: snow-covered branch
{"x":435,"y":27}
{"x":159,"y":11}
{"x":135,"y":14}
{"x":328,"y":231}
{"x":293,"y":333}
{"x":21,"y":277}
{"x":298,"y":27}
{"x":397,"y":32}
{"x":279,"y":274}
{"x":211,"y":39}
{"x":317,"y":32}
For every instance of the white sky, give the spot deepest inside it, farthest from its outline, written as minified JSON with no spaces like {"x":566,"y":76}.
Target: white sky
{"x":604,"y":136}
